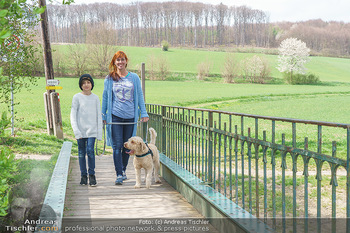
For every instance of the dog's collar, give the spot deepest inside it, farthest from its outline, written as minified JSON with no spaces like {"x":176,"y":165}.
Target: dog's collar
{"x":147,"y":153}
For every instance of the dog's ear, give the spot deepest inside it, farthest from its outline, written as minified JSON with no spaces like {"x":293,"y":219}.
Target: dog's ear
{"x":142,"y":146}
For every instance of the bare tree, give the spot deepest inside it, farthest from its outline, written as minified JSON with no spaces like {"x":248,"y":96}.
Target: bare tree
{"x":163,"y":67}
{"x":59,"y":59}
{"x":151,"y":67}
{"x":101,"y":44}
{"x":255,"y":69}
{"x":220,"y":16}
{"x":230,"y":70}
{"x":203,"y":69}
{"x":79,"y":58}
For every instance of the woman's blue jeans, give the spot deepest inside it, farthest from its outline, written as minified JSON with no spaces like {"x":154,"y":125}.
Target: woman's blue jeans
{"x":86,"y":147}
{"x":120,"y":134}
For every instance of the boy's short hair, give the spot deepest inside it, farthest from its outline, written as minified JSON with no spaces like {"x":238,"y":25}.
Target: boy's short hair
{"x":86,"y":77}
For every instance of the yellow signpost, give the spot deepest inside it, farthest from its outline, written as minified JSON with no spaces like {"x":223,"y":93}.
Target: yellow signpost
{"x":53,"y":108}
{"x":53,"y":87}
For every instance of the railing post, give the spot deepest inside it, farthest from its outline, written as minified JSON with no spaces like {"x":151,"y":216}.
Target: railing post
{"x":143,"y":86}
{"x":210,"y":148}
{"x":163,"y":149}
{"x":143,"y":80}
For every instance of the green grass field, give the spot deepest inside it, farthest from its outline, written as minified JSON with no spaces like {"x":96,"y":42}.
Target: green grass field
{"x":323,"y":103}
{"x":186,"y":61}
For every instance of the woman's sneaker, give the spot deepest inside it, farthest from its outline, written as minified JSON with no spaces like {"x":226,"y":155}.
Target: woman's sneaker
{"x":83,"y":180}
{"x":119,"y":180}
{"x":92,"y":180}
{"x":124,"y":176}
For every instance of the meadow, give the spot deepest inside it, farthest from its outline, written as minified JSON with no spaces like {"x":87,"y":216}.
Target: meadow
{"x":182,"y":60}
{"x":322,"y":103}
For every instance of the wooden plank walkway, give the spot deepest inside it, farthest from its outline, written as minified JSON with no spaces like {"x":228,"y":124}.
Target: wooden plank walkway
{"x":108,"y":200}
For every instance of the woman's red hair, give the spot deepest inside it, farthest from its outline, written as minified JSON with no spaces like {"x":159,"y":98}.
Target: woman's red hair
{"x":113,"y":68}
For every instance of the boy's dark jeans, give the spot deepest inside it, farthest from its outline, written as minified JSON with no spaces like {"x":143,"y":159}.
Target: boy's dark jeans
{"x":86,"y":147}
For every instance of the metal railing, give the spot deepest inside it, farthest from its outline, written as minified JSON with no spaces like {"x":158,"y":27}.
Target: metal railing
{"x":51,"y":215}
{"x":253,"y":160}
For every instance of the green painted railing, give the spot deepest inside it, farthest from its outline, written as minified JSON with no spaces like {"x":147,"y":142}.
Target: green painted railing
{"x":253,"y":160}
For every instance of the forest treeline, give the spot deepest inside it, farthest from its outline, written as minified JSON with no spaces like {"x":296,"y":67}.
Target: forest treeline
{"x":189,"y":24}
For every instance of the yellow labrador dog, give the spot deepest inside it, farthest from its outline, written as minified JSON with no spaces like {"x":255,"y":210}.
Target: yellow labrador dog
{"x":146,"y":157}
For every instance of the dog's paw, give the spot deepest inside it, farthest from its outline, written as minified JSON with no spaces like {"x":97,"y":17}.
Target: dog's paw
{"x":148,"y":186}
{"x":158,"y":181}
{"x":137,"y":186}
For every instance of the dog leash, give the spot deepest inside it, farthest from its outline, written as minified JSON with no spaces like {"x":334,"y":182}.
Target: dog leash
{"x":104,"y":134}
{"x":146,"y":132}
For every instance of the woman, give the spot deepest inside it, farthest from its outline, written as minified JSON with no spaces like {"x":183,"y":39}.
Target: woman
{"x":122,"y":104}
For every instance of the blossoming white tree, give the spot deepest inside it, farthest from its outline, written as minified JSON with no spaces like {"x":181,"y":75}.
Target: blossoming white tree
{"x":293,"y":55}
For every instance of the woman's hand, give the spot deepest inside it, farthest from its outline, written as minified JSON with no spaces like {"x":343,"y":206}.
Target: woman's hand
{"x":144,"y":119}
{"x":104,"y":122}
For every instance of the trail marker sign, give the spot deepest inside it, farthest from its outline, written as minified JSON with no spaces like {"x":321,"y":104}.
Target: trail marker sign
{"x":52,"y":82}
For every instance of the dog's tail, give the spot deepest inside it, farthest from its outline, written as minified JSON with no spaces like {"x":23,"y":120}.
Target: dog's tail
{"x":153,"y":136}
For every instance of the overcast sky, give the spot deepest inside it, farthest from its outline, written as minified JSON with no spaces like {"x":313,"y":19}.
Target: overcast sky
{"x":279,"y":10}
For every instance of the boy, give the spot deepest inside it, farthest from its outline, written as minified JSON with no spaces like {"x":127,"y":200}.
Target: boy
{"x":86,"y":121}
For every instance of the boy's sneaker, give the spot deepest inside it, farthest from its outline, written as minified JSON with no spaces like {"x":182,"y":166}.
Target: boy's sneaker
{"x":124,"y":176}
{"x":92,"y":180}
{"x":83,"y":180}
{"x":119,"y":180}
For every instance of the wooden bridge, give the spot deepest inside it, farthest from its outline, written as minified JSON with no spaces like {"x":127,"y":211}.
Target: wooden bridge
{"x":71,"y":207}
{"x":108,"y":200}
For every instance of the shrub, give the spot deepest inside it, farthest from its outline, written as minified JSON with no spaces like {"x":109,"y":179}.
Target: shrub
{"x":8,"y":166}
{"x":230,"y":69}
{"x":4,"y":123}
{"x":151,"y":67}
{"x":255,"y":69}
{"x":203,"y":70}
{"x":301,"y":79}
{"x":157,"y":67}
{"x":163,"y":68}
{"x":165,"y":45}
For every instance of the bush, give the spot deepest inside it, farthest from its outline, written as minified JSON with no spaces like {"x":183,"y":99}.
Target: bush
{"x":4,"y":123}
{"x":163,"y":68}
{"x":203,"y":70}
{"x":157,"y":67}
{"x":8,"y":166}
{"x":151,"y":67}
{"x":301,"y":79}
{"x":255,"y":69}
{"x":230,"y":69}
{"x":165,"y":45}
